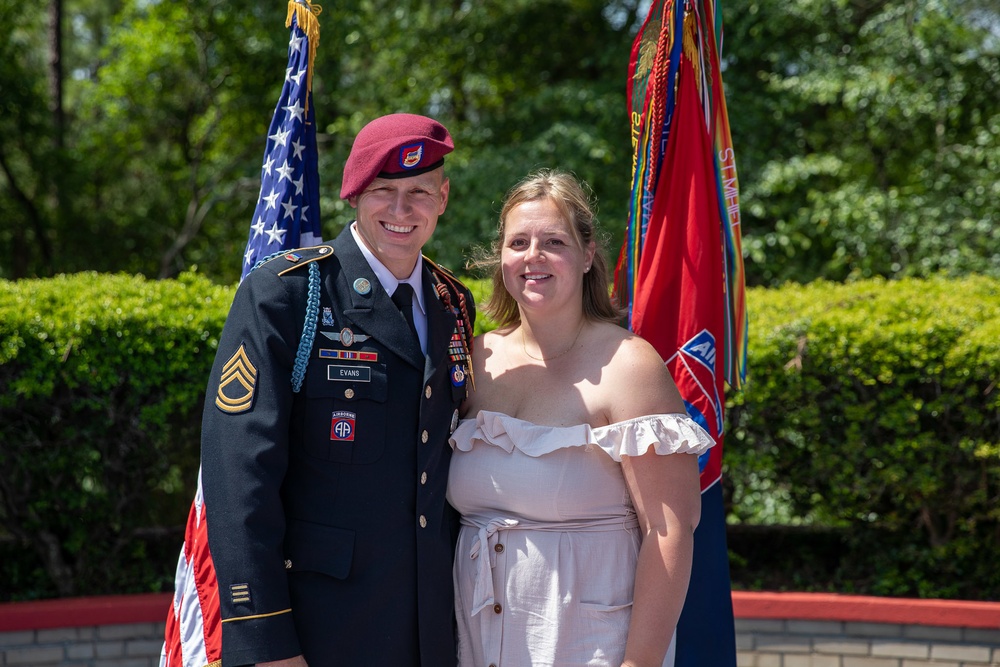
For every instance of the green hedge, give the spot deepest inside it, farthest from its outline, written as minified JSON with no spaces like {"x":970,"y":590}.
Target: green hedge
{"x":873,"y":410}
{"x":867,"y":441}
{"x":102,"y":382}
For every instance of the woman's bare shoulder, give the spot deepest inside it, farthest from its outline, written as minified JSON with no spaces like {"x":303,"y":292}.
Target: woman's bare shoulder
{"x":637,"y":382}
{"x":631,"y":350}
{"x":487,"y":345}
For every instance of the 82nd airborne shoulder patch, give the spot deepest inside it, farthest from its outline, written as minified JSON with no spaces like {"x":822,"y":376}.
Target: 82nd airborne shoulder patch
{"x":237,"y":384}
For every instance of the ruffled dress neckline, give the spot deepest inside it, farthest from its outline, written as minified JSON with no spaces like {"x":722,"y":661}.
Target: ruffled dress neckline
{"x":670,"y":433}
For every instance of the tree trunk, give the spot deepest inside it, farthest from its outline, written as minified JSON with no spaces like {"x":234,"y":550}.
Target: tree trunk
{"x":58,"y":191}
{"x":55,"y":71}
{"x":47,"y":546}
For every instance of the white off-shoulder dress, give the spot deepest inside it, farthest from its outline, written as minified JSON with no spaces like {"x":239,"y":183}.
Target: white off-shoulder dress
{"x":547,"y":553}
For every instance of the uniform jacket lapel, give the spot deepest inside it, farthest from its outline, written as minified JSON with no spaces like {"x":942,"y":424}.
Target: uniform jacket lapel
{"x":373,"y":313}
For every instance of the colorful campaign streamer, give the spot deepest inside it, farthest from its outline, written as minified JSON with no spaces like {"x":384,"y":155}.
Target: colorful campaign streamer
{"x":680,"y":271}
{"x":652,"y":91}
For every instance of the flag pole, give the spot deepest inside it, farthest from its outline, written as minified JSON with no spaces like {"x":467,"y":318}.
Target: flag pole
{"x":680,"y":272}
{"x":286,"y":217}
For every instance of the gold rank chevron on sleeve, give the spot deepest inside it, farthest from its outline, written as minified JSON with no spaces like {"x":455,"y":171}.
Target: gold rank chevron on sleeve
{"x":237,"y":383}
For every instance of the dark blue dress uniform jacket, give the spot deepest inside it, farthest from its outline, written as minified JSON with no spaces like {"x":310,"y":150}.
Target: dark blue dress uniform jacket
{"x":340,"y":549}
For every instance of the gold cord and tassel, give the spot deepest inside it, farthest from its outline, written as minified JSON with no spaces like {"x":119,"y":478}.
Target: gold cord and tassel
{"x":307,"y":17}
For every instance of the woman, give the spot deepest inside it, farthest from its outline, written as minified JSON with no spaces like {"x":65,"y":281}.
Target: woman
{"x":577,"y":521}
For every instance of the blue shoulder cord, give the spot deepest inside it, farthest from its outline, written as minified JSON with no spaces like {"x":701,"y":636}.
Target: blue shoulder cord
{"x":308,"y":330}
{"x":308,"y":326}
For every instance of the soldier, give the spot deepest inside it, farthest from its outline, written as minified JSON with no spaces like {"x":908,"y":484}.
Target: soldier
{"x":325,"y":434}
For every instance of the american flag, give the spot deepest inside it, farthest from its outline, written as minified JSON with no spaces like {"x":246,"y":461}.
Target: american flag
{"x":287,"y":213}
{"x":287,"y":216}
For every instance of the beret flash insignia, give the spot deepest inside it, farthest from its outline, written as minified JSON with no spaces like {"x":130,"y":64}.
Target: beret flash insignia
{"x":409,"y":156}
{"x":237,"y":384}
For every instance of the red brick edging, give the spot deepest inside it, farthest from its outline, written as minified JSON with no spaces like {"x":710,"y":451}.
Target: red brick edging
{"x":81,"y":612}
{"x":152,"y":608}
{"x":866,"y":609}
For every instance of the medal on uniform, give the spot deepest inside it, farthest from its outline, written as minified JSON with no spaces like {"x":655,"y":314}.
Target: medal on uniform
{"x":460,"y":345}
{"x":327,"y":316}
{"x":459,"y":358}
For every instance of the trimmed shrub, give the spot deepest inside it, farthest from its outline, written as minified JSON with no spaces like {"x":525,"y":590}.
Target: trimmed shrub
{"x":873,"y":408}
{"x":866,"y":444}
{"x":102,"y":385}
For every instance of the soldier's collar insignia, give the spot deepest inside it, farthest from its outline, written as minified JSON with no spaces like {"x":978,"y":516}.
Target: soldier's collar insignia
{"x":362,"y":286}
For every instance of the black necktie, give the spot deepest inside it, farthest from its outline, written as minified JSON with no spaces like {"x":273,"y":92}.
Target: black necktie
{"x":403,"y":298}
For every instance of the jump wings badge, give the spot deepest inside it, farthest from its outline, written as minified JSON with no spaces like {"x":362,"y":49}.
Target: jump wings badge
{"x":237,"y":384}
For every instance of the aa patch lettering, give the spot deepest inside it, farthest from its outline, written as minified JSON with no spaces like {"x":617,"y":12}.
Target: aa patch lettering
{"x":342,"y":426}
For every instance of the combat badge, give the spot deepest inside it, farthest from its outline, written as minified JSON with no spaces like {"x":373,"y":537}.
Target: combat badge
{"x":237,"y":384}
{"x":346,"y":337}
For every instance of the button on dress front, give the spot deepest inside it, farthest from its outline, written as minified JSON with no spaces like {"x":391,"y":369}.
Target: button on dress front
{"x":547,"y":552}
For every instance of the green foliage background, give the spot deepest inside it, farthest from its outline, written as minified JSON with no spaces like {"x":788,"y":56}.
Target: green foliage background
{"x":871,"y":421}
{"x":867,"y":132}
{"x":872,"y":412}
{"x":100,"y":418}
{"x":867,"y":135}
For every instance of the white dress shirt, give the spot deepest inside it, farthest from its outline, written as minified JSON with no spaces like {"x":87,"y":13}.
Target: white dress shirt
{"x":390,"y":282}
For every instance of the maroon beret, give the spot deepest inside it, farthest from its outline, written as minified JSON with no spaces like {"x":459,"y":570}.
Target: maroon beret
{"x":394,"y":146}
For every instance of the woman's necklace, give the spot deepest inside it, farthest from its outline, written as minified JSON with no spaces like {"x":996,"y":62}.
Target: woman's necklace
{"x":555,"y":356}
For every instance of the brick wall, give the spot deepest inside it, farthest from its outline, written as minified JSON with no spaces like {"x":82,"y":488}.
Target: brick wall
{"x":125,"y":645}
{"x":823,"y":630}
{"x":118,"y":631}
{"x":772,"y":630}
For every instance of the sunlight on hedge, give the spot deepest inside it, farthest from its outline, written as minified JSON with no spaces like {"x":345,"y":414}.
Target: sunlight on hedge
{"x":871,"y":412}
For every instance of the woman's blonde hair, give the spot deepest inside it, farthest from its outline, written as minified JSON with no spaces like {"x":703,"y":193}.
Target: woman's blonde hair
{"x":574,"y":200}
